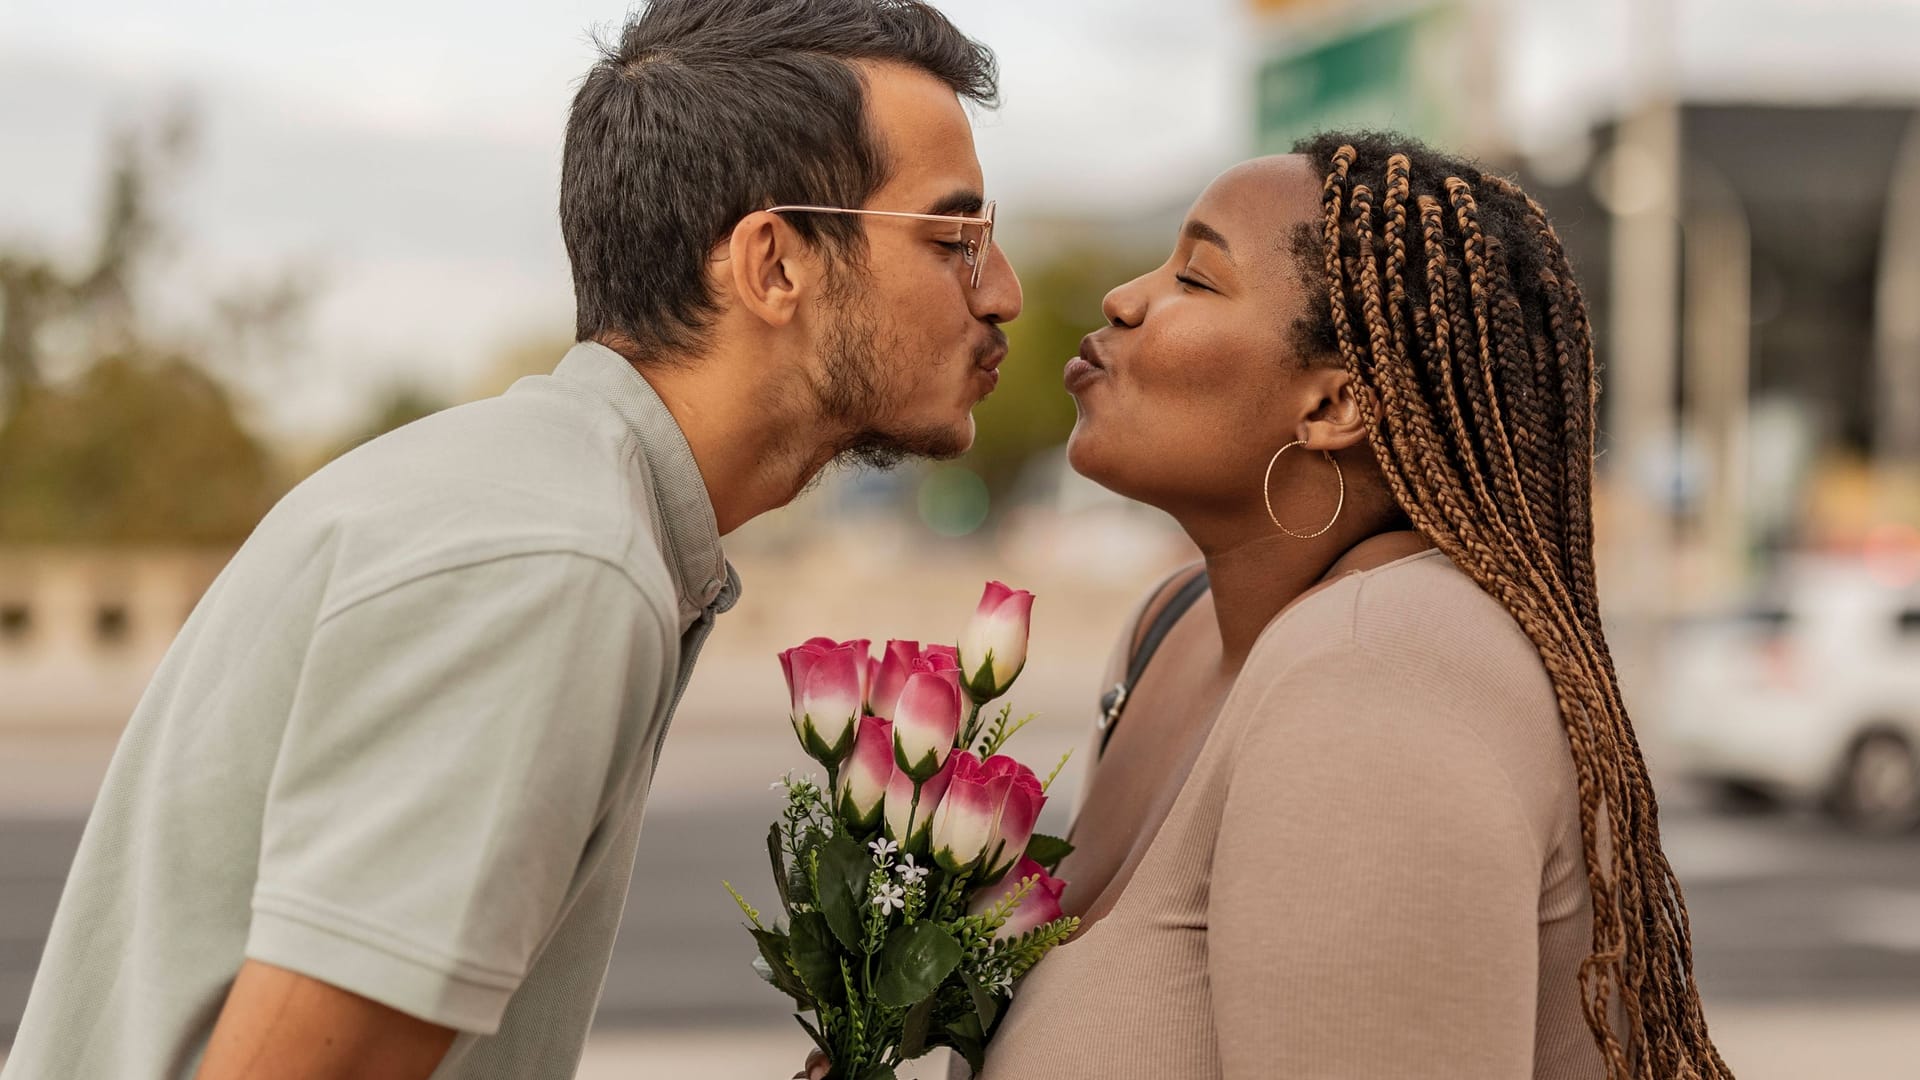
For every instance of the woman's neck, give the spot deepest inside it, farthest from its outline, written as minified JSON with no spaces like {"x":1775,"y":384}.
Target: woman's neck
{"x":1256,"y":579}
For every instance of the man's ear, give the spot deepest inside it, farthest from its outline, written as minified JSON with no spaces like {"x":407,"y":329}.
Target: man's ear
{"x":1331,"y":417}
{"x":767,"y":266}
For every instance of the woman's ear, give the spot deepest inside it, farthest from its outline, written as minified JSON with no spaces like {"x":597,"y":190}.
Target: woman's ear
{"x":767,"y":267}
{"x":1333,"y":420}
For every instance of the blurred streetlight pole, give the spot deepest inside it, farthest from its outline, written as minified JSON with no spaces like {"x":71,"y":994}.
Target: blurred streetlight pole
{"x":1897,"y":316}
{"x":1718,"y":367}
{"x":1642,"y":188}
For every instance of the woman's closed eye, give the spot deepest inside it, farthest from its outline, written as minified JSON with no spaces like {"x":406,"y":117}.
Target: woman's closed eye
{"x":1186,"y":278}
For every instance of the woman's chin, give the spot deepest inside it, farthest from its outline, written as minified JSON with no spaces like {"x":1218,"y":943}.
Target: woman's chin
{"x":1087,"y":456}
{"x":1079,"y":448}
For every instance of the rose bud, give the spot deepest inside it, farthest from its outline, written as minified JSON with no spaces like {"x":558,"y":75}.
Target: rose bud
{"x":863,"y":652}
{"x":796,"y":664}
{"x":994,"y":648}
{"x":1039,"y":907}
{"x":909,"y":824}
{"x":864,"y":778}
{"x":890,"y":673}
{"x":1017,"y":816}
{"x":825,"y":681}
{"x":926,"y":721}
{"x":965,"y":821}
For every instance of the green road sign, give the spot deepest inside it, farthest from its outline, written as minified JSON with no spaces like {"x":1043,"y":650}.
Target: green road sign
{"x":1403,"y":74}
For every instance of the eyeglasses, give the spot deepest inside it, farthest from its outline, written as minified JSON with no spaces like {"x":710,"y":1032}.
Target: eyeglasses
{"x":976,"y":233}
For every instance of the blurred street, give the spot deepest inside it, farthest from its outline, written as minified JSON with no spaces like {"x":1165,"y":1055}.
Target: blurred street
{"x":1807,"y":939}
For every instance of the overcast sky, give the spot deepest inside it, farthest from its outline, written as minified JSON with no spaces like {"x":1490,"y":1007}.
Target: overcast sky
{"x":408,"y":148}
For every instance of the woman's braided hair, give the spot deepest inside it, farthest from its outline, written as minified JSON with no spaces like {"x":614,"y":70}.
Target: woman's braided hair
{"x":1451,"y":302}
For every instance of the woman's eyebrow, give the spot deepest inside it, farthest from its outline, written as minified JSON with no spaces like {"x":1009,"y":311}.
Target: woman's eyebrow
{"x":1207,"y":234}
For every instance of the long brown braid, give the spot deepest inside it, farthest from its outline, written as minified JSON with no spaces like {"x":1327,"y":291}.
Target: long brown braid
{"x":1475,"y":374}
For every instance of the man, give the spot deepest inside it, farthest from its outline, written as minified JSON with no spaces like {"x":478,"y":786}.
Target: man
{"x":377,"y":813}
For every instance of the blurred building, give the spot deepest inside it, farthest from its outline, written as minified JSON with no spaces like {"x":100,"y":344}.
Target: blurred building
{"x":1797,"y":332}
{"x":82,"y":629}
{"x":1752,"y":269}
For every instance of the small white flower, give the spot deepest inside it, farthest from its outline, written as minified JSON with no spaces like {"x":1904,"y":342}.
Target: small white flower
{"x":889,"y":897}
{"x":883,"y":850}
{"x":909,"y":872}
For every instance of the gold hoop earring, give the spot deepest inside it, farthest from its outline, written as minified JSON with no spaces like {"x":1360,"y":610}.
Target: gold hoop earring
{"x":1266,"y":487}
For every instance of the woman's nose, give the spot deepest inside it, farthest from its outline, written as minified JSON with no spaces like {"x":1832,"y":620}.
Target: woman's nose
{"x":1125,"y":305}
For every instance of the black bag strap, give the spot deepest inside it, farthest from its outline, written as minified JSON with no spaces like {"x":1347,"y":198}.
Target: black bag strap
{"x":1114,"y":701}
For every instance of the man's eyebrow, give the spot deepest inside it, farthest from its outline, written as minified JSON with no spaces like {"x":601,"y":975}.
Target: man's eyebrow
{"x":1207,"y":234}
{"x":959,"y":202}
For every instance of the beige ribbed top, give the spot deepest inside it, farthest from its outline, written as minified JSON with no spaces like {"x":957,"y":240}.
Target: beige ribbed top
{"x":1374,"y":870}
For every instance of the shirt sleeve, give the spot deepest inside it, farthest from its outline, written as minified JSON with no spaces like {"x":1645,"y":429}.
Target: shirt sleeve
{"x":453,"y":744}
{"x":1375,"y":888}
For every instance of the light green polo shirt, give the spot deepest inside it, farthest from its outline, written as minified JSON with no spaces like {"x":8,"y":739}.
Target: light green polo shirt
{"x":403,"y":744}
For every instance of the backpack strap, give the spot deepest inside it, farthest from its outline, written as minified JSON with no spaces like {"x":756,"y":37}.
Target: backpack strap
{"x":1114,"y":701}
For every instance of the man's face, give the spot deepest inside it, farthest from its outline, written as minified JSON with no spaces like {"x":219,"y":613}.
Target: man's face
{"x":908,"y":346}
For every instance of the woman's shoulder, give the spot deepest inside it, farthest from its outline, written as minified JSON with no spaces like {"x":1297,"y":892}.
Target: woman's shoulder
{"x":1426,"y":617}
{"x":1412,"y":654}
{"x":1417,"y":615}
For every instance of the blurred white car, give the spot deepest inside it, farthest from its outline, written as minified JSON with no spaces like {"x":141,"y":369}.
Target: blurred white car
{"x":1811,"y":696}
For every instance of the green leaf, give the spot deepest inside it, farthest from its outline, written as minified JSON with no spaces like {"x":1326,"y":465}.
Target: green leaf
{"x":799,"y":885}
{"x":773,"y":949}
{"x":813,"y":1033}
{"x":1048,"y":850}
{"x":966,"y":1036}
{"x":916,"y":960}
{"x":842,"y":887}
{"x":913,"y":1032}
{"x":816,"y":957}
{"x":879,"y":1072}
{"x":985,"y":1005}
{"x":777,"y":855}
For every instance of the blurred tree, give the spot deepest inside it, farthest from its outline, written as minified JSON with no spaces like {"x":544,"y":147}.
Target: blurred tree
{"x":98,"y":300}
{"x":136,"y":450}
{"x":535,"y":354}
{"x":1031,"y":412}
{"x":111,"y":431}
{"x":396,"y":407}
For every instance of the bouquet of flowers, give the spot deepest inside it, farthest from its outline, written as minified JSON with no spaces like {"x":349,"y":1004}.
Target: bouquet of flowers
{"x":914,"y":889}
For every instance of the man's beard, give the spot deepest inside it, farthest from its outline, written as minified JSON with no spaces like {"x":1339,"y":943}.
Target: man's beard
{"x":863,"y":392}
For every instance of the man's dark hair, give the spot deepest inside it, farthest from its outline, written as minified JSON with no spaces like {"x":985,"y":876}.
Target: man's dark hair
{"x":707,"y":110}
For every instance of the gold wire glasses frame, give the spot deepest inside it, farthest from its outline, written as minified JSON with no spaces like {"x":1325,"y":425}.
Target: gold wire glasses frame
{"x":974,"y":247}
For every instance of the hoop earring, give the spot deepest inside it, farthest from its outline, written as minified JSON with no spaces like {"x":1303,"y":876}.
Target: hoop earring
{"x":1266,"y":493}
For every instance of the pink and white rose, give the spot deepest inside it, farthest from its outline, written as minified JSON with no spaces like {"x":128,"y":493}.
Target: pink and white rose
{"x":927,"y":719}
{"x":964,"y":823}
{"x":909,"y":823}
{"x":1014,"y":825}
{"x":827,"y":684}
{"x":1040,"y":906}
{"x":892,"y":668}
{"x":866,"y":774}
{"x":994,"y":648}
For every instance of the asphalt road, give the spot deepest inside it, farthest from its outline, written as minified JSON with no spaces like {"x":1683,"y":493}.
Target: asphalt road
{"x":1785,"y":909}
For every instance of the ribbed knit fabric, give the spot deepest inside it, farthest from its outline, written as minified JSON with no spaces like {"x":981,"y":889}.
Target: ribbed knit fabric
{"x":1374,"y":870}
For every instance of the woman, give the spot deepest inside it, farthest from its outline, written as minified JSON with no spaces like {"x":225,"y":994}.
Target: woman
{"x":1374,"y":809}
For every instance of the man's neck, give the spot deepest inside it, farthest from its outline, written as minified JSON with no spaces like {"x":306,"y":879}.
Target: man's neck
{"x":757,"y":445}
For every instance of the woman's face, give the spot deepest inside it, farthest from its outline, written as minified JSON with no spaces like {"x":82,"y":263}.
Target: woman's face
{"x":1197,"y":378}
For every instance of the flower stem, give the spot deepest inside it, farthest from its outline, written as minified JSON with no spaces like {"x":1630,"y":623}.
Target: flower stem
{"x":973,"y":724}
